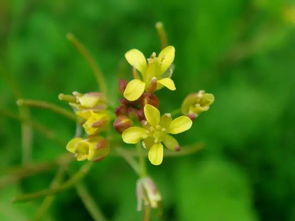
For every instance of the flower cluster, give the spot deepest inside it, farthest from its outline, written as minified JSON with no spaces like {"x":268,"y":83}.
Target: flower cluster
{"x":90,"y":109}
{"x":137,"y":117}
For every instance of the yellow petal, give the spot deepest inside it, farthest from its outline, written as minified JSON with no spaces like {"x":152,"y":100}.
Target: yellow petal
{"x":72,"y":144}
{"x":166,"y":57}
{"x":136,"y":59}
{"x":156,"y":154}
{"x":180,"y":125}
{"x":166,"y":120}
{"x":133,"y":135}
{"x":167,"y":82}
{"x":171,"y":143}
{"x":151,"y":114}
{"x":134,"y":90}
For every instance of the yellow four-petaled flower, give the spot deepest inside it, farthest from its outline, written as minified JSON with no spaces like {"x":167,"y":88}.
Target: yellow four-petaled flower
{"x":152,"y":71}
{"x":156,"y":132}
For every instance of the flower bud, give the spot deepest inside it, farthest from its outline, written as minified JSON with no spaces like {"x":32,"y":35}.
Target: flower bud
{"x":122,"y":123}
{"x":149,"y":98}
{"x":91,"y":100}
{"x":196,"y":103}
{"x":121,"y":110}
{"x":87,"y":149}
{"x":147,"y":193}
{"x":122,"y":85}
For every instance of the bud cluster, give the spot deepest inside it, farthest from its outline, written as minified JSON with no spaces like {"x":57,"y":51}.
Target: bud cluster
{"x":90,"y":109}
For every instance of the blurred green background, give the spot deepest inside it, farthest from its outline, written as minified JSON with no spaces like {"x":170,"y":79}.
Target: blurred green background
{"x":243,"y":51}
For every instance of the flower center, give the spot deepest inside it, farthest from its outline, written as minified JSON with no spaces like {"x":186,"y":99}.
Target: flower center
{"x":157,"y":133}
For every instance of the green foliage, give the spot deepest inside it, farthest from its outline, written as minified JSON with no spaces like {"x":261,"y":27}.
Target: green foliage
{"x":241,"y":51}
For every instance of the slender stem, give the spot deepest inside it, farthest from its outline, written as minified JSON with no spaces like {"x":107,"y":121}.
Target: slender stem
{"x":46,"y":105}
{"x":66,"y":185}
{"x":18,"y":173}
{"x":90,"y":60}
{"x":89,"y":202}
{"x":35,"y":125}
{"x":143,"y":172}
{"x":48,"y":201}
{"x":162,"y":34}
{"x":26,"y":130}
{"x":147,"y":213}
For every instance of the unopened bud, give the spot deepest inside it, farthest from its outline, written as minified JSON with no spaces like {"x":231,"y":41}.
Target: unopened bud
{"x":122,"y":123}
{"x":196,"y":103}
{"x":121,"y":110}
{"x":122,"y":85}
{"x":149,"y":98}
{"x":147,"y":193}
{"x":153,"y":85}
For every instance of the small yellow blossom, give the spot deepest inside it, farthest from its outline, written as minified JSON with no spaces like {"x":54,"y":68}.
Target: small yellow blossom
{"x":196,"y":103}
{"x":91,"y":100}
{"x":153,"y":72}
{"x":95,"y":122}
{"x":88,"y":149}
{"x":156,"y":133}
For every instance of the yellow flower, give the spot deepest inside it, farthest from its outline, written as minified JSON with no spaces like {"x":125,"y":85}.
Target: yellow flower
{"x":153,"y":72}
{"x":88,"y":149}
{"x":196,"y":103}
{"x":156,"y":133}
{"x":91,"y":100}
{"x":95,"y":121}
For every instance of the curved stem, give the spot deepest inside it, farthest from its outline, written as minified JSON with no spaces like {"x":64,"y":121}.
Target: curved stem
{"x":46,"y":105}
{"x":89,"y":202}
{"x":90,"y":60}
{"x":48,"y":201}
{"x":66,"y":185}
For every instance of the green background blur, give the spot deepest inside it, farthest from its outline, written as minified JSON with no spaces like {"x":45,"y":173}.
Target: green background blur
{"x":243,"y":51}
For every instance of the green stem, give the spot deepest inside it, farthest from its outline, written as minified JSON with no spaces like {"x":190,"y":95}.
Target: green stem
{"x":142,"y":164}
{"x":48,"y":201}
{"x":162,"y":34}
{"x":26,"y":130}
{"x":16,"y":174}
{"x":89,"y":202}
{"x":90,"y":60}
{"x":66,"y":185}
{"x":46,"y":105}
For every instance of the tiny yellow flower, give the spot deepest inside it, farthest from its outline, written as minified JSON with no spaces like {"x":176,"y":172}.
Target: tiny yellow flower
{"x":156,"y":133}
{"x":88,"y":149}
{"x":91,"y":100}
{"x":95,"y":122}
{"x":153,"y":72}
{"x":196,"y":103}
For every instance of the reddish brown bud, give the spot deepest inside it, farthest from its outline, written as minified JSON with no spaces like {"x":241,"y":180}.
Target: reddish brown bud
{"x":132,"y":112}
{"x":122,"y":85}
{"x":102,"y":144}
{"x":149,"y":98}
{"x":153,"y":85}
{"x":140,"y":114}
{"x":121,"y":110}
{"x":192,"y":116}
{"x":177,"y":149}
{"x":122,"y":123}
{"x":100,"y":123}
